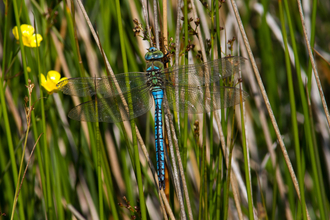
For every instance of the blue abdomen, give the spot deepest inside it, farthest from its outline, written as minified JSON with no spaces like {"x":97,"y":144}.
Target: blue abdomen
{"x":158,"y":95}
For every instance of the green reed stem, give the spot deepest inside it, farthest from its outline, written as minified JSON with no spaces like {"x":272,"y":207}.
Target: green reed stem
{"x":185,"y":123}
{"x":48,"y":166}
{"x":201,"y":189}
{"x":36,"y":127}
{"x":5,"y":35}
{"x":210,"y":165}
{"x":47,"y":192}
{"x":58,"y":171}
{"x":312,"y":41}
{"x":219,"y":173}
{"x":231,"y":148}
{"x":79,"y":64}
{"x":28,"y":116}
{"x":317,"y":174}
{"x":6,"y":179}
{"x":4,"y":113}
{"x":204,"y":176}
{"x":99,"y":167}
{"x":133,"y":127}
{"x":268,"y":58}
{"x":293,"y":111}
{"x":262,"y":197}
{"x":219,"y":185}
{"x":109,"y":183}
{"x":246,"y":163}
{"x":275,"y":193}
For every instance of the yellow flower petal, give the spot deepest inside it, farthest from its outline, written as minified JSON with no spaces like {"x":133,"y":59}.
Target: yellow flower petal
{"x":28,"y":37}
{"x":26,"y":41}
{"x":43,"y":78}
{"x":15,"y":32}
{"x":34,"y":40}
{"x":50,"y":87}
{"x":27,"y":31}
{"x":53,"y":77}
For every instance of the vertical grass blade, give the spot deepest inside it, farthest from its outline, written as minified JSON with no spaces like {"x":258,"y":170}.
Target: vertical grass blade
{"x":136,"y":150}
{"x":293,"y":113}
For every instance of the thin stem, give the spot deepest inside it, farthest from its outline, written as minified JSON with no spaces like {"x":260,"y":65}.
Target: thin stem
{"x":293,"y":110}
{"x":136,"y":150}
{"x":175,"y":169}
{"x":177,"y":55}
{"x":266,"y":100}
{"x":156,"y":24}
{"x":28,"y":119}
{"x":27,"y":164}
{"x":246,"y":159}
{"x":317,"y":78}
{"x":99,"y":167}
{"x":145,"y":14}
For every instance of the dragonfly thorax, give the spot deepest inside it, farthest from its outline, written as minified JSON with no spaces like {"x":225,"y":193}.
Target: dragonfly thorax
{"x":154,"y":66}
{"x":155,"y":79}
{"x":154,"y":74}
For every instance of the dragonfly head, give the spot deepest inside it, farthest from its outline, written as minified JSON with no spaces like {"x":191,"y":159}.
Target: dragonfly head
{"x":153,"y":54}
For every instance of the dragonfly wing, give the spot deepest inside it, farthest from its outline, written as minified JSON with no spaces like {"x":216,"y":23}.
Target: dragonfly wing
{"x":102,"y":86}
{"x":113,"y":109}
{"x":205,"y":73}
{"x":203,"y":98}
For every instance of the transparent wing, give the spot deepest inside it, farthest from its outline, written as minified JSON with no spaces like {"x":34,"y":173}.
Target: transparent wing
{"x":203,"y":98}
{"x":205,"y":73}
{"x":102,"y":86}
{"x":113,"y":109}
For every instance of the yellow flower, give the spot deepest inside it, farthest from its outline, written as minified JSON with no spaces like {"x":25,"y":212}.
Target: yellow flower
{"x":34,"y":40}
{"x":28,"y":37}
{"x":53,"y":77}
{"x":28,"y":69}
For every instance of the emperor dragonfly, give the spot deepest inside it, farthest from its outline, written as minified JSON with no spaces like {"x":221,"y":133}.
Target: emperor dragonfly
{"x":189,"y":88}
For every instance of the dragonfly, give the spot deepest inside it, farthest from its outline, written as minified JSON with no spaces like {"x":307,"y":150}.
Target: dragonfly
{"x":194,"y":88}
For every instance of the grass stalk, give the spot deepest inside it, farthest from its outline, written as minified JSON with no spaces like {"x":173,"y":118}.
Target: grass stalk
{"x":44,"y":138}
{"x":307,"y":125}
{"x":314,"y":153}
{"x":99,"y":166}
{"x":317,"y":78}
{"x":202,"y":188}
{"x":175,"y":169}
{"x":226,"y":192}
{"x":246,"y":160}
{"x":293,"y":112}
{"x":211,"y":165}
{"x":29,"y":109}
{"x":220,"y":158}
{"x":185,"y":116}
{"x":274,"y":204}
{"x":136,"y":150}
{"x":265,"y":97}
{"x":138,"y":135}
{"x":58,"y":169}
{"x":312,"y":42}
